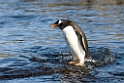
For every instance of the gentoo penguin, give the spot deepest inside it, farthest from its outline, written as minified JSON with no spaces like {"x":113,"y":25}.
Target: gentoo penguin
{"x":76,"y":41}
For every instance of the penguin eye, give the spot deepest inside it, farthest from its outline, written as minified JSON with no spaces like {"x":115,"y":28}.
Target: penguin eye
{"x":60,"y":21}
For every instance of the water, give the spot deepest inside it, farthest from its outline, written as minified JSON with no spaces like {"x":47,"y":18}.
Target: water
{"x":31,"y":52}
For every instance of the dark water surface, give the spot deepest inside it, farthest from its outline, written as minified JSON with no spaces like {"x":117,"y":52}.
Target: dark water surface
{"x":31,"y":52}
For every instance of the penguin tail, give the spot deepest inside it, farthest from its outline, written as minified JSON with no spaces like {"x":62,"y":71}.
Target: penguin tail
{"x":90,"y":60}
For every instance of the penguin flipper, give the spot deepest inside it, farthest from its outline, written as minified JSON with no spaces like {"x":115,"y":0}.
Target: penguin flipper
{"x":81,"y":41}
{"x":84,"y":45}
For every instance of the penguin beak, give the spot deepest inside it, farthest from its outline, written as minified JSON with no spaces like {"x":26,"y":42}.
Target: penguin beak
{"x":53,"y":25}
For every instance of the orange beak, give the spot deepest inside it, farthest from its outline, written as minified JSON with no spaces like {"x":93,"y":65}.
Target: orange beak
{"x":53,"y":25}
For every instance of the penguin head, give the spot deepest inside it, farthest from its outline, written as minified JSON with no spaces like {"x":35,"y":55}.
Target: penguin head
{"x":61,"y":23}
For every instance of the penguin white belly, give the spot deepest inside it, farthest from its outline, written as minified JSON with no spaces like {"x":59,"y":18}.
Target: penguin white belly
{"x":73,"y":43}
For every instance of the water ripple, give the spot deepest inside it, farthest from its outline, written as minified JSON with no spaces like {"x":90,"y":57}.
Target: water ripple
{"x":28,"y":47}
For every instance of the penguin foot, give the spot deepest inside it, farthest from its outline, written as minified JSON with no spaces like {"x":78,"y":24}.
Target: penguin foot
{"x":79,"y":64}
{"x":73,"y":62}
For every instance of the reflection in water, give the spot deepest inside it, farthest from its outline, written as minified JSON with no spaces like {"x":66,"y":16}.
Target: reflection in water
{"x":30,"y":48}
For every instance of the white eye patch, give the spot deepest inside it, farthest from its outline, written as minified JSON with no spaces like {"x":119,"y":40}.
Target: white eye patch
{"x":60,"y":21}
